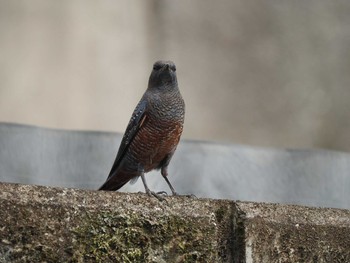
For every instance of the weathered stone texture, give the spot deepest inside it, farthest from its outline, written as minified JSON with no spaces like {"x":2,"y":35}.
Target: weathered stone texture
{"x":69,"y":225}
{"x":43,"y":224}
{"x":282,"y":233}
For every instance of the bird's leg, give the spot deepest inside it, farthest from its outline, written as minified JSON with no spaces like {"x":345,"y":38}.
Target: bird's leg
{"x":141,"y":172}
{"x":148,"y":191}
{"x":164,"y":173}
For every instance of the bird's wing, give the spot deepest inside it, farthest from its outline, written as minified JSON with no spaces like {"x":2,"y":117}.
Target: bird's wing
{"x":137,"y":119}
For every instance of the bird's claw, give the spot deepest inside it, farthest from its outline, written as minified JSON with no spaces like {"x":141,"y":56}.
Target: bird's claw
{"x":156,"y":195}
{"x":162,"y":193}
{"x":190,"y":196}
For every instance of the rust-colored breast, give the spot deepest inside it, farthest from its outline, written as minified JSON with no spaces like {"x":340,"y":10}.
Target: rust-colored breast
{"x":159,"y":133}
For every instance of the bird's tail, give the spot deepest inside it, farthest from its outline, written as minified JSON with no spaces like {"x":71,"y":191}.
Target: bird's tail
{"x":108,"y":186}
{"x":117,"y":180}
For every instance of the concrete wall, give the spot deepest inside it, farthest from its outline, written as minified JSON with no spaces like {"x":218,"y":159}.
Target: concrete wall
{"x":33,"y":155}
{"x":272,"y":73}
{"x":43,"y":224}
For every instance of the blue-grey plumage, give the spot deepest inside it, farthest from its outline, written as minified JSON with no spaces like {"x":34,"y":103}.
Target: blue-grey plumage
{"x":153,"y":132}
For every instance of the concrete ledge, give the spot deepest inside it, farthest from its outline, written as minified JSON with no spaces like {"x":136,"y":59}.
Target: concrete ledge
{"x":59,"y":225}
{"x":43,"y":224}
{"x":285,"y":233}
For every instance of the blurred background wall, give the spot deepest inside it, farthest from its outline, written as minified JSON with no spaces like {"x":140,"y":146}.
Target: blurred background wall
{"x":267,"y":73}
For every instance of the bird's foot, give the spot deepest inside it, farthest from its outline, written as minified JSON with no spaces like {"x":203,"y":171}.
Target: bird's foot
{"x":162,"y":193}
{"x":156,"y":195}
{"x":187,"y":195}
{"x":190,"y":196}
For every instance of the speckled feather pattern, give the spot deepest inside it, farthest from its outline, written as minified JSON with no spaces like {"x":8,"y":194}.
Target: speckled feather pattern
{"x":160,"y":132}
{"x":153,"y":132}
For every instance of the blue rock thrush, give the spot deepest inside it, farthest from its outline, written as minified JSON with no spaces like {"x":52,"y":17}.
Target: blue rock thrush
{"x":153,"y":132}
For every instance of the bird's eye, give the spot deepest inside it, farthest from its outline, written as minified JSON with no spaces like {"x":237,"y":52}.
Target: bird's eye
{"x":156,"y":66}
{"x":173,"y":68}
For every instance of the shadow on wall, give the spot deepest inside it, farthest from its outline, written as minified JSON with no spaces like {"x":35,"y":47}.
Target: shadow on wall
{"x":82,"y":159}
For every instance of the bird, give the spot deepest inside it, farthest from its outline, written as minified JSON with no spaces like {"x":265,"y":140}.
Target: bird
{"x":153,"y":132}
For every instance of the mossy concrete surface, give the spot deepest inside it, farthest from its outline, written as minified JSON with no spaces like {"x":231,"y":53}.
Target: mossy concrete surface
{"x":44,"y":224}
{"x":289,"y":233}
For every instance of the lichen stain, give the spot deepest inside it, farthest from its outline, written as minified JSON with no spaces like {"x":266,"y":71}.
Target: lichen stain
{"x":111,"y":236}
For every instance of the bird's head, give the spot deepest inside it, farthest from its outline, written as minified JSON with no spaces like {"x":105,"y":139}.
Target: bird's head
{"x":163,"y":75}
